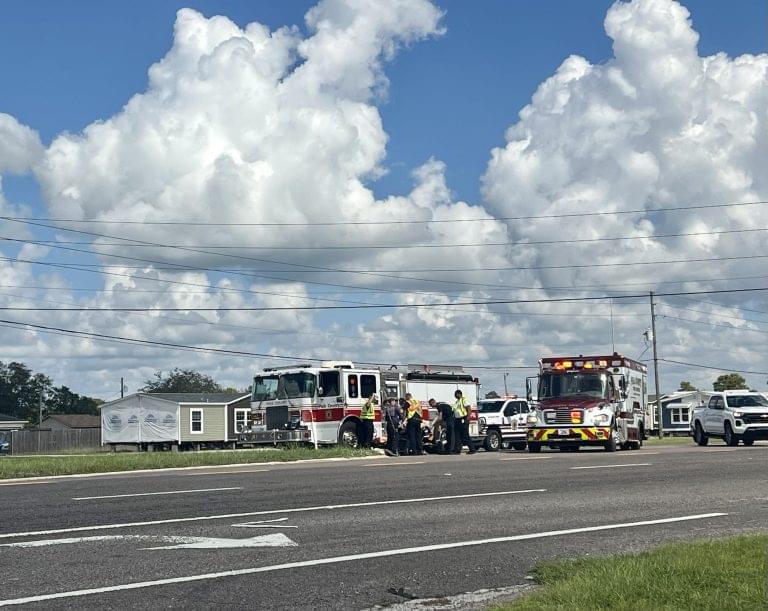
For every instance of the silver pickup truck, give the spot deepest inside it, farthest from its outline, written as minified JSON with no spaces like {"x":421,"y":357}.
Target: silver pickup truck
{"x":733,"y":415}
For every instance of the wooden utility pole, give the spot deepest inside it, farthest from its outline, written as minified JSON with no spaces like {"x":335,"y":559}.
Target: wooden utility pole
{"x":656,"y":369}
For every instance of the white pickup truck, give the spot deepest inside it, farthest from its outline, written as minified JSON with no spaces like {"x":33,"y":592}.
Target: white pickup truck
{"x":503,"y":422}
{"x":734,"y":415}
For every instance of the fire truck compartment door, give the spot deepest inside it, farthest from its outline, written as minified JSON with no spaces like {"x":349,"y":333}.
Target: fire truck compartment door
{"x":359,"y":386}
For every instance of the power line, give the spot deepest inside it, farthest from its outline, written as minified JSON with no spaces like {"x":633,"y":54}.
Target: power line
{"x":118,"y":338}
{"x":726,"y":307}
{"x":657,"y":236}
{"x":760,"y":373}
{"x":390,"y":222}
{"x":739,"y":318}
{"x":710,"y":324}
{"x":383,"y":305}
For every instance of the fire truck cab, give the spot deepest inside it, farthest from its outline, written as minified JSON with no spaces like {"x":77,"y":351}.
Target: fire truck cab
{"x":589,"y":400}
{"x":322,"y":404}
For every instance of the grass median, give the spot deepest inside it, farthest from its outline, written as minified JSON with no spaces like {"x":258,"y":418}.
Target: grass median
{"x":32,"y":466}
{"x":670,"y":441}
{"x":711,"y":574}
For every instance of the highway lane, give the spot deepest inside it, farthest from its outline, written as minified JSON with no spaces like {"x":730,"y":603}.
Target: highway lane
{"x":504,"y":496}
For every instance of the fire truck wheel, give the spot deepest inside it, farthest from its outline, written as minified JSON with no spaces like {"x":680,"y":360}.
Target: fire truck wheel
{"x":492,"y":441}
{"x":612,"y":444}
{"x":534,"y":448}
{"x":348,"y":435}
{"x":519,"y":446}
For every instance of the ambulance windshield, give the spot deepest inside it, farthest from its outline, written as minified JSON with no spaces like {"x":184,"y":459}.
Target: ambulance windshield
{"x":572,"y":384}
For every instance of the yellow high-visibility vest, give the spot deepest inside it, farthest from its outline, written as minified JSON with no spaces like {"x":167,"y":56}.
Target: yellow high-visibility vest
{"x":414,"y":408}
{"x":460,"y":408}
{"x":368,"y":411}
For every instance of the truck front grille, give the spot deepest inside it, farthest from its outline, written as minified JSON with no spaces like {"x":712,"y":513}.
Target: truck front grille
{"x":277,"y":417}
{"x":755,"y":418}
{"x":563,"y":416}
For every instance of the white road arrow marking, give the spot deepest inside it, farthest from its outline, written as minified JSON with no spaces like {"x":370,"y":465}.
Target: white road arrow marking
{"x":274,"y":540}
{"x":71,"y":540}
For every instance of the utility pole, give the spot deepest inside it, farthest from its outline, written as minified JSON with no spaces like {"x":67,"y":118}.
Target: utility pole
{"x":506,"y":392}
{"x":40,"y":420}
{"x":122,"y":388}
{"x":656,"y":369}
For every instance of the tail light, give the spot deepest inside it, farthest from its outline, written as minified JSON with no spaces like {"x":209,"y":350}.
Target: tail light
{"x":473,"y":415}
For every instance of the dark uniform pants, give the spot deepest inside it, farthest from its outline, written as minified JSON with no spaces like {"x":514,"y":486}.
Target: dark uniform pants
{"x":366,"y":434}
{"x":462,"y":435}
{"x":450,"y":437}
{"x":393,"y":438}
{"x":413,"y":428}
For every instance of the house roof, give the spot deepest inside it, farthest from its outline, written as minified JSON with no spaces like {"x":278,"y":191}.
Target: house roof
{"x":76,"y":421}
{"x":196,"y":397}
{"x":7,"y":418}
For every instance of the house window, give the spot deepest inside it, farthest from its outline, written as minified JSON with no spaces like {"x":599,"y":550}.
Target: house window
{"x":679,"y":415}
{"x":196,"y":421}
{"x":241,"y":420}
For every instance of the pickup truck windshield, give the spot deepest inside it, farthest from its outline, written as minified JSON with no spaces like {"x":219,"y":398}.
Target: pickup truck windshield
{"x":485,"y":407}
{"x":746,"y":401}
{"x":572,"y":384}
{"x":264,"y":388}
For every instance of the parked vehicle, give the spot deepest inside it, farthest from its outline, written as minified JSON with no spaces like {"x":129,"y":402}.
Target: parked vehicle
{"x":5,"y":444}
{"x":321,"y":405}
{"x":503,"y":422}
{"x":589,"y":401}
{"x":733,"y":415}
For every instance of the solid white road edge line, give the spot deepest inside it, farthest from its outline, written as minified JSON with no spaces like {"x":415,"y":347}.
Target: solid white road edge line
{"x":636,"y":464}
{"x":274,"y":463}
{"x":527,"y":458}
{"x":350,"y":558}
{"x":267,"y":512}
{"x":122,"y":496}
{"x":397,"y":464}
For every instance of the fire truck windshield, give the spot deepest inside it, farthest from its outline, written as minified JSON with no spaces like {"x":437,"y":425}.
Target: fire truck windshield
{"x":299,"y":385}
{"x":264,"y":388}
{"x":572,"y":384}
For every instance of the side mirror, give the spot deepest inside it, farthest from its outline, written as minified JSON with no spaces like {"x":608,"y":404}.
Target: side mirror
{"x":319,"y":391}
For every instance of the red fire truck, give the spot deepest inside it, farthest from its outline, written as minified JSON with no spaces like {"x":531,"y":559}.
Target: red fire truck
{"x":589,"y":400}
{"x":322,"y":404}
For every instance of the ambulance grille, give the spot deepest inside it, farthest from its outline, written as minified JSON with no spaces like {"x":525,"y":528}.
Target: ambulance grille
{"x":561,"y":416}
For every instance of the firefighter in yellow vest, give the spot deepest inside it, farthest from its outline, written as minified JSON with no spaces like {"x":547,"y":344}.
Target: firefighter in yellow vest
{"x":367,"y":416}
{"x":413,"y":425}
{"x":461,"y":418}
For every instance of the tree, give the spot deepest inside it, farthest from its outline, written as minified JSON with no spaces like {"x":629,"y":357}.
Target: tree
{"x":181,"y":380}
{"x":492,"y":395}
{"x":729,"y":381}
{"x":685,"y":385}
{"x":21,"y":389}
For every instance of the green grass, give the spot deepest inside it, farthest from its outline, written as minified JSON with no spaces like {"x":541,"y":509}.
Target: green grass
{"x":711,"y":574}
{"x":31,"y":466}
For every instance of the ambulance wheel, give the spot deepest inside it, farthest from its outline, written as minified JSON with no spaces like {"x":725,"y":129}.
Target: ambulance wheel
{"x":348,"y":435}
{"x":534,"y":448}
{"x":492,"y":441}
{"x":519,"y":446}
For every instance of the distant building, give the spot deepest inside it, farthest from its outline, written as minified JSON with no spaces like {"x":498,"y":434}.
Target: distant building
{"x":676,"y":409}
{"x":196,"y":420}
{"x":68,"y":422}
{"x":11,"y":423}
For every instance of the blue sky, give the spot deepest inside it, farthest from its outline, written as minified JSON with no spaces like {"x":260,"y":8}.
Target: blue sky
{"x":67,"y":64}
{"x":451,"y":97}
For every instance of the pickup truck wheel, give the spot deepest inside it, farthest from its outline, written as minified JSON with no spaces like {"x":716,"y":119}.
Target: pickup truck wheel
{"x":534,"y":448}
{"x":699,"y":436}
{"x":519,"y":446}
{"x":731,"y":439}
{"x":492,"y":441}
{"x":748,"y":442}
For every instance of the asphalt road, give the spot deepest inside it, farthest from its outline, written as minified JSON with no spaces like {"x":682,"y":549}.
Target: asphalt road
{"x":356,"y":534}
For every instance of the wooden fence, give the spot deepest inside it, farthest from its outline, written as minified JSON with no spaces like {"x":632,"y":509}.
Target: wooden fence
{"x":51,"y":442}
